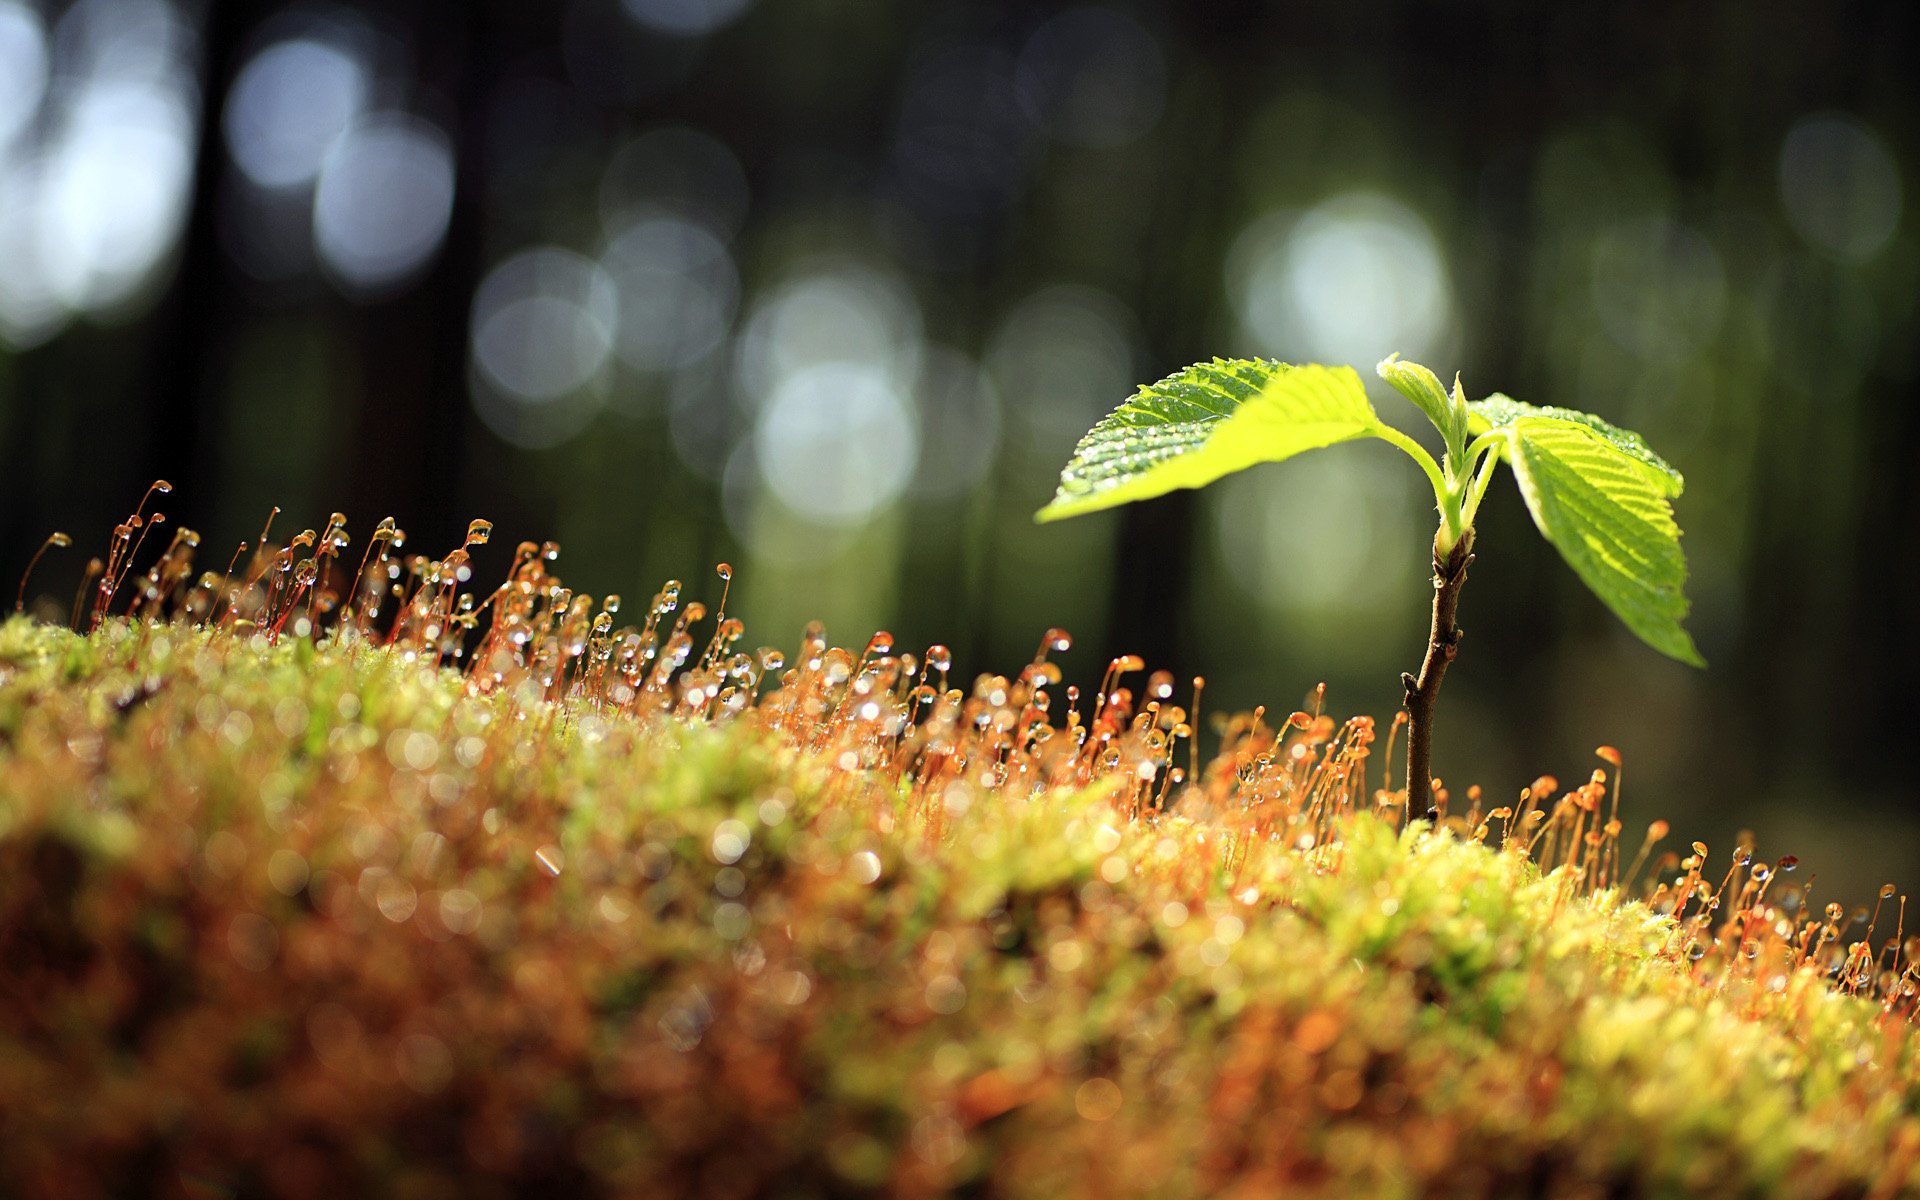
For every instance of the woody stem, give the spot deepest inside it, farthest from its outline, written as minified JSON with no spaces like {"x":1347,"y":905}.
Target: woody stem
{"x":1449,"y":576}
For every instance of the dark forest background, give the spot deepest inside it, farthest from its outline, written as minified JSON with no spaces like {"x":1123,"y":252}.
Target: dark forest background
{"x":828,"y":288}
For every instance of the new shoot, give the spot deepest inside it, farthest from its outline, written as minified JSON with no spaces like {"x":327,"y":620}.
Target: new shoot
{"x":1598,"y":493}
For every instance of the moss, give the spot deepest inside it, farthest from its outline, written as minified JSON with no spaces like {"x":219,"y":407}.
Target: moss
{"x":307,"y":920}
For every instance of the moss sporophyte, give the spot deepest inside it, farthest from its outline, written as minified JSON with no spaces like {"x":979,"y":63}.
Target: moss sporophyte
{"x":319,"y":879}
{"x":1598,"y":493}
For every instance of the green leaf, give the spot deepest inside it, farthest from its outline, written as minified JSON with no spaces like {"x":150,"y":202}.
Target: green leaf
{"x":1501,"y":412}
{"x":1210,"y":420}
{"x":1608,"y":513}
{"x":1422,"y":387}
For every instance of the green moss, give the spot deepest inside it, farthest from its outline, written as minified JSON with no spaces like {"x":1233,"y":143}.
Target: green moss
{"x":297,"y":920}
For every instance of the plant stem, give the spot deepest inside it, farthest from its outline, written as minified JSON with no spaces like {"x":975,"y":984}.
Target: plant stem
{"x":1417,"y":453}
{"x":1449,"y":576}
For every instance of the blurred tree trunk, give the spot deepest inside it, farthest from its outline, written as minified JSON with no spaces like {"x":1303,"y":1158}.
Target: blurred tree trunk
{"x":179,"y":387}
{"x":407,"y":451}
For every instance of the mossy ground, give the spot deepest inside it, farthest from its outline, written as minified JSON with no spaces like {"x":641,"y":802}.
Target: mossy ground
{"x":278,"y":919}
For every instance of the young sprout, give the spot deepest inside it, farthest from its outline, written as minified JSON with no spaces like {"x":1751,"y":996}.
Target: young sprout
{"x":1596,"y":492}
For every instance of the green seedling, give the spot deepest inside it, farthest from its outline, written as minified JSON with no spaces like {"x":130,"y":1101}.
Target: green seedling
{"x":1598,"y":493}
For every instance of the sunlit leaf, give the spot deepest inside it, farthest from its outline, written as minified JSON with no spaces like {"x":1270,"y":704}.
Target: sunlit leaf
{"x":1500,"y":412}
{"x":1606,"y":510}
{"x":1421,"y":386}
{"x":1210,"y":420}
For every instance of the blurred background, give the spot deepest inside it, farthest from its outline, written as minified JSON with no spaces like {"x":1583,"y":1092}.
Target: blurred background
{"x":829,"y":288}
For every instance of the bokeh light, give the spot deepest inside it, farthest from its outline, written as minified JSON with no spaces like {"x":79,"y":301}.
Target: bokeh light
{"x":134,"y":41}
{"x":23,"y":67}
{"x":384,"y":197}
{"x":115,"y":190}
{"x":1840,"y":185}
{"x":678,"y":292}
{"x":825,"y":369}
{"x":30,"y":311}
{"x":543,"y":326}
{"x":289,"y":105}
{"x":686,"y":18}
{"x":837,"y":441}
{"x":853,"y":313}
{"x":1353,"y":279}
{"x":89,"y":210}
